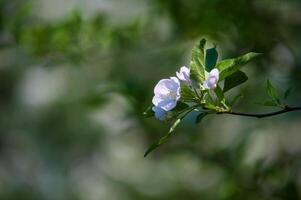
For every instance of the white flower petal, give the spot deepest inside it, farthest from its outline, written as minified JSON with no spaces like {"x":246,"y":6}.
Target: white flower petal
{"x":166,"y":86}
{"x":161,"y":88}
{"x":180,"y":76}
{"x":212,"y":79}
{"x":175,"y":82}
{"x":167,"y":105}
{"x":156,"y":100}
{"x":167,"y":93}
{"x":184,"y":74}
{"x":184,"y":70}
{"x":215,"y":73}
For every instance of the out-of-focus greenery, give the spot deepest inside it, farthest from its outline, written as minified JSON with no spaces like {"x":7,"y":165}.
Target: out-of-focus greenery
{"x":76,"y":75}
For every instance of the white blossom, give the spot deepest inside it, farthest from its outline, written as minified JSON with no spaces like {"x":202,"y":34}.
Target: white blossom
{"x":184,"y":75}
{"x":167,"y":93}
{"x":212,"y":79}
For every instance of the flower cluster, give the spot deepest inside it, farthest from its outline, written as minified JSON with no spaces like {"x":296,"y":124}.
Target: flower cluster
{"x":167,"y":91}
{"x":197,"y":89}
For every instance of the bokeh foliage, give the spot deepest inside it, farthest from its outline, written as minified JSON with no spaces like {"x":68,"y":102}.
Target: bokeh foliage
{"x":72,"y":91}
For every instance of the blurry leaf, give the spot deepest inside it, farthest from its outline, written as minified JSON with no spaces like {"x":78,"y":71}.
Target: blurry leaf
{"x":234,"y":80}
{"x":187,"y":94}
{"x":18,"y":20}
{"x":219,"y":93}
{"x":272,"y":92}
{"x":230,"y":66}
{"x":235,"y":99}
{"x":211,"y":58}
{"x":197,"y":65}
{"x":163,"y":139}
{"x":94,"y":100}
{"x":207,"y":97}
{"x":148,"y":112}
{"x":200,"y":117}
{"x":210,"y":106}
{"x":287,"y":93}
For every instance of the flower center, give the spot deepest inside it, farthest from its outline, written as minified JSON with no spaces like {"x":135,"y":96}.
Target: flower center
{"x":172,"y":95}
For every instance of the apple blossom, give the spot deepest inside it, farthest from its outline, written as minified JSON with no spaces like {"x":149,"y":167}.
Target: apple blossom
{"x":184,"y":75}
{"x":167,"y":93}
{"x":212,"y":79}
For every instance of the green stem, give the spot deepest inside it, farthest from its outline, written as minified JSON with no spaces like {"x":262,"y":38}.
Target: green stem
{"x":197,"y":94}
{"x":188,"y":110}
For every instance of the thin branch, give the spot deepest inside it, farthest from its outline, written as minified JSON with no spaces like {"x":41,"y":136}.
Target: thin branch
{"x":262,"y":115}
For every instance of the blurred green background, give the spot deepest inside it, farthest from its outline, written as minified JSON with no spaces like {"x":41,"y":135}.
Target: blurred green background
{"x":75,"y":76}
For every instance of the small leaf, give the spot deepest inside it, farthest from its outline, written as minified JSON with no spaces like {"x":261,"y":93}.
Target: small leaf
{"x":200,"y":117}
{"x":163,"y":139}
{"x":287,"y":93}
{"x":174,"y":125}
{"x":272,"y":92}
{"x":148,"y":112}
{"x":230,"y":66}
{"x":219,"y":93}
{"x":210,"y":106}
{"x":235,"y":99}
{"x":207,"y":96}
{"x":197,"y":66}
{"x":211,"y":59}
{"x":234,"y":80}
{"x":187,"y":94}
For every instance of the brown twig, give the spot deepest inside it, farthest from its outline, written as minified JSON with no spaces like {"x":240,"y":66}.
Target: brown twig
{"x":262,"y":115}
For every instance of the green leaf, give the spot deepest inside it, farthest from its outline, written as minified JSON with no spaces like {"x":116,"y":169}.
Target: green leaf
{"x":163,"y":139}
{"x":207,"y":96}
{"x":200,"y":117}
{"x":197,"y":66}
{"x":287,"y":93}
{"x":210,"y":106}
{"x":148,"y":112}
{"x":234,"y":80}
{"x":187,"y":94}
{"x":230,"y":66}
{"x":235,"y":99}
{"x":211,"y":59}
{"x":272,"y":92}
{"x":219,"y":93}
